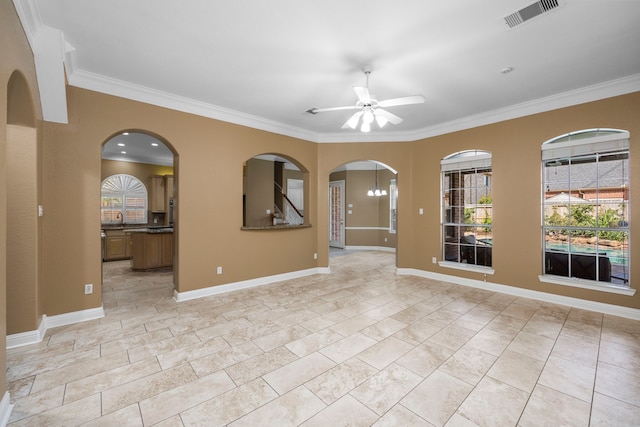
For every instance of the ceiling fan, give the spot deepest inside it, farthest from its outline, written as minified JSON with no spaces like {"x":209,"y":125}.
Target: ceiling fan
{"x":370,"y":108}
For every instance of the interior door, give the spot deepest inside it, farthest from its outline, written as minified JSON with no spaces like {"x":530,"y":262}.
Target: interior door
{"x":336,"y":214}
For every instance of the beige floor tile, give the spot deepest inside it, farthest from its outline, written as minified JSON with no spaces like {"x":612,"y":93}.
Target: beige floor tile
{"x":125,"y":417}
{"x":532,"y":345}
{"x":433,"y":340}
{"x":105,"y":380}
{"x":298,"y":372}
{"x":452,"y":337}
{"x":223,"y":358}
{"x":468,"y":364}
{"x":292,"y":409}
{"x":493,"y":403}
{"x":401,"y":416}
{"x":347,"y":347}
{"x":517,"y":370}
{"x":608,"y":411}
{"x":569,"y":378}
{"x":73,"y":414}
{"x":231,"y":405}
{"x":385,"y":352}
{"x":126,"y":394}
{"x":547,"y":407}
{"x":346,"y":411}
{"x":155,"y":408}
{"x":250,"y":369}
{"x":425,"y":358}
{"x":313,"y":342}
{"x":383,"y":390}
{"x":340,"y":380}
{"x":437,"y":397}
{"x":619,"y":383}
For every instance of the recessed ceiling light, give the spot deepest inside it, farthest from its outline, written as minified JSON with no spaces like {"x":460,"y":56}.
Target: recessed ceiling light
{"x":120,"y":144}
{"x":154,"y":144}
{"x":506,"y":70}
{"x":125,"y":133}
{"x":123,"y":152}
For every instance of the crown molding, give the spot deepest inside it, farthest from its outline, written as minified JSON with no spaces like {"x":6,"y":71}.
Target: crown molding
{"x":29,"y":18}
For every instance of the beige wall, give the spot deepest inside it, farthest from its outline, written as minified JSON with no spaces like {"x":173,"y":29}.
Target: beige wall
{"x":19,"y":105}
{"x":259,"y":192}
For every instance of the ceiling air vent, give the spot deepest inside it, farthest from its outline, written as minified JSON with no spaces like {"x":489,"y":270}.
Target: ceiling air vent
{"x":531,"y":11}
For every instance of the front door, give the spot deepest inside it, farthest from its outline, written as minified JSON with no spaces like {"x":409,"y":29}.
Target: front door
{"x":336,"y":214}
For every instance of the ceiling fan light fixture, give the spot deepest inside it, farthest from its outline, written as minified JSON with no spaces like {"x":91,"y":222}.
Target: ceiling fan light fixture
{"x":366,"y":127}
{"x":381,"y":120}
{"x":368,"y":116}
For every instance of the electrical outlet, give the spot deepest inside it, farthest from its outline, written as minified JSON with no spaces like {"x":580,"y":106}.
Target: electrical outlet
{"x":315,"y":255}
{"x":88,"y":288}
{"x":385,"y":239}
{"x":219,"y":270}
{"x":434,"y":260}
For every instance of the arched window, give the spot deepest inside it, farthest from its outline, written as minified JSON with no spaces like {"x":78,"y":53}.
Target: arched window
{"x":123,"y":200}
{"x":585,"y":208}
{"x":467,"y":209}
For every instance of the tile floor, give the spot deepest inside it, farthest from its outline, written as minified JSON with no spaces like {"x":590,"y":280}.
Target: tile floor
{"x":360,"y":346}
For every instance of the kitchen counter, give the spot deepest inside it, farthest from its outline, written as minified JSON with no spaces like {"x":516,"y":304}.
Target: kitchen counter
{"x":151,"y":248}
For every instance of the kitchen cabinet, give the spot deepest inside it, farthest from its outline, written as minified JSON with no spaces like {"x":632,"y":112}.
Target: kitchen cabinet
{"x":117,"y":245}
{"x":157,"y":194}
{"x":151,"y":250}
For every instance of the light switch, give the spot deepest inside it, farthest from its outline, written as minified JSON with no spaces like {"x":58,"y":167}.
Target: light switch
{"x":421,"y":211}
{"x":350,"y":205}
{"x":350,"y":212}
{"x":40,"y":210}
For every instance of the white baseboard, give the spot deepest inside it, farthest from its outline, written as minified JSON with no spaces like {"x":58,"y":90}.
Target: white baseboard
{"x":251,"y":283}
{"x":33,"y":337}
{"x":369,"y":248}
{"x":5,"y":409}
{"x":614,"y":310}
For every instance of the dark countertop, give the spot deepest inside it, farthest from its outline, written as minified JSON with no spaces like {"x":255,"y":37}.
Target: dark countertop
{"x":151,"y":230}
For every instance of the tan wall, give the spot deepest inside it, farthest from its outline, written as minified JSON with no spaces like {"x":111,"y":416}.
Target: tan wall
{"x":209,"y":213}
{"x":20,"y":108}
{"x":515,"y":147}
{"x":259,"y":192}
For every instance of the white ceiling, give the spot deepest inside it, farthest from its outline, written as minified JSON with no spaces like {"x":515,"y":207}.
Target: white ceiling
{"x":264,"y":63}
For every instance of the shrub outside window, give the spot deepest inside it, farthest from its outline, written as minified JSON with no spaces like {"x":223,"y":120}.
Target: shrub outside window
{"x":467,"y":208}
{"x":586,"y":206}
{"x":123,"y":200}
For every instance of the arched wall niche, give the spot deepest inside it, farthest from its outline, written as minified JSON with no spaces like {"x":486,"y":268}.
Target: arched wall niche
{"x":20,"y":111}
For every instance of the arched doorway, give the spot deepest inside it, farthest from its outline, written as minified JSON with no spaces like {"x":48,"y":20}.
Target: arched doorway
{"x":23,"y":225}
{"x":362,"y":208}
{"x":138,"y":211}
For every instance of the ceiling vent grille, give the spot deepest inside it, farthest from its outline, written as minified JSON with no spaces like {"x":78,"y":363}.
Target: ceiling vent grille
{"x":530,"y":12}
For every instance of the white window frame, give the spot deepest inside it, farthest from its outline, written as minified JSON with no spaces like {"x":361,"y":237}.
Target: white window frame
{"x":124,"y":187}
{"x":393,"y":205}
{"x":473,"y":161}
{"x":566,"y":149}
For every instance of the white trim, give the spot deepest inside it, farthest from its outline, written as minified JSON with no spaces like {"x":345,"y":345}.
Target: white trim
{"x":5,"y":409}
{"x":467,"y":267}
{"x":26,"y":338}
{"x":587,"y":284}
{"x":368,"y":228}
{"x":370,"y":248}
{"x":47,"y":322}
{"x":251,"y":283}
{"x":615,"y":310}
{"x":74,"y":317}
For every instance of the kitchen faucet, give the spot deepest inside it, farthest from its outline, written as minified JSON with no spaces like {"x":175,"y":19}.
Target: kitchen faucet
{"x":120,"y":217}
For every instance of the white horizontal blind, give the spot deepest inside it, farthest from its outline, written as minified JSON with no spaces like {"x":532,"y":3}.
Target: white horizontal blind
{"x":466,"y":162}
{"x":579,"y":147}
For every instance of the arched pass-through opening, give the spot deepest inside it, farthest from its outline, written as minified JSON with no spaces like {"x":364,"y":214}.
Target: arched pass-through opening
{"x":363,"y":198}
{"x":22,"y":222}
{"x":138,"y":215}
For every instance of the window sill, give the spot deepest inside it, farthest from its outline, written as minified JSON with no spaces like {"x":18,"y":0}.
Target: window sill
{"x":587,"y":284}
{"x":466,"y":267}
{"x":277,"y":227}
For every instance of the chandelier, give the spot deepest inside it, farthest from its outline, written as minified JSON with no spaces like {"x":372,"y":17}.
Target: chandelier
{"x":376,"y":191}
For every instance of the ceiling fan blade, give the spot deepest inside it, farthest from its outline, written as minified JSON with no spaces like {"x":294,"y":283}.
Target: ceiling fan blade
{"x":353,"y":121}
{"x":407,"y":100}
{"x":389,"y":116}
{"x":316,"y":110}
{"x":363,"y":94}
